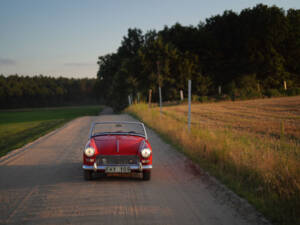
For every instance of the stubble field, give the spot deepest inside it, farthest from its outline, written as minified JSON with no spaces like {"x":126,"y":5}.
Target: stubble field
{"x":251,"y":146}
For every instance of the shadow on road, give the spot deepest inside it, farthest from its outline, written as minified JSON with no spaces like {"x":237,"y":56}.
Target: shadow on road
{"x":26,"y":176}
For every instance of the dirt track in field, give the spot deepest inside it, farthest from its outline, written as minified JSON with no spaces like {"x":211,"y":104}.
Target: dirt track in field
{"x":42,"y":183}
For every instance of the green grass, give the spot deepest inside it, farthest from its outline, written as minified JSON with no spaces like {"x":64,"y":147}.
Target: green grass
{"x":19,"y":127}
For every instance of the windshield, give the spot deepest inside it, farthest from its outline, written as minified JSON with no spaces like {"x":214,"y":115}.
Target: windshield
{"x":129,"y":128}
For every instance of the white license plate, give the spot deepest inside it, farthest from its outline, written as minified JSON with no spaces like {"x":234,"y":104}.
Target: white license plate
{"x":117,"y":169}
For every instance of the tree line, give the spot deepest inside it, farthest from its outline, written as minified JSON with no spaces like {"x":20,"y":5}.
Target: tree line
{"x":249,"y":54}
{"x":43,"y":91}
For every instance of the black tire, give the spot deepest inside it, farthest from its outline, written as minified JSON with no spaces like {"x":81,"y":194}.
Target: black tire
{"x":88,"y":175}
{"x":146,"y":175}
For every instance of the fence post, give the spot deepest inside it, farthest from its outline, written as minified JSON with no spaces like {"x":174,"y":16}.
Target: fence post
{"x":220,"y":90}
{"x":181,"y":95}
{"x":160,"y":99}
{"x":189,"y":99}
{"x":284,"y":85}
{"x":129,"y":100}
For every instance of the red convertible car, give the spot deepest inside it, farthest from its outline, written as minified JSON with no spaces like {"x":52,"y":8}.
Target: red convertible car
{"x":117,"y":147}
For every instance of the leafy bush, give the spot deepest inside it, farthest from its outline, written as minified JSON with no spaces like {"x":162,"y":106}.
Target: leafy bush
{"x":272,"y":93}
{"x":203,"y":99}
{"x":293,"y":91}
{"x":250,"y":93}
{"x":195,"y":98}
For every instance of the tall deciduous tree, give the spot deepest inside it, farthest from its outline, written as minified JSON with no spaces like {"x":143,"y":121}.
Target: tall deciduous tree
{"x":247,"y":53}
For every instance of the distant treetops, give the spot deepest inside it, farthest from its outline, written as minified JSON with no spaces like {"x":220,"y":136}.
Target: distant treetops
{"x":249,"y":54}
{"x":41,"y":91}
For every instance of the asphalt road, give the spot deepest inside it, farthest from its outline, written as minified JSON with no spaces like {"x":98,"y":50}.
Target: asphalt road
{"x":43,"y":184}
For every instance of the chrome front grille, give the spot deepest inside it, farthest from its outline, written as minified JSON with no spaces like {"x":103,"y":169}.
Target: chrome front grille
{"x":103,"y":160}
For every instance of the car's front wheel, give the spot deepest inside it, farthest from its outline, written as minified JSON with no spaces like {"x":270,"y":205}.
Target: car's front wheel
{"x":88,"y":175}
{"x":146,"y":175}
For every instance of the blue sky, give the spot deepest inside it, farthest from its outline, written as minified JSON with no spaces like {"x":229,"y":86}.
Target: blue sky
{"x":65,"y":37}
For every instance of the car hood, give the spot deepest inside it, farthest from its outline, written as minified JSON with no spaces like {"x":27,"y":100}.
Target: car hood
{"x":118,"y":144}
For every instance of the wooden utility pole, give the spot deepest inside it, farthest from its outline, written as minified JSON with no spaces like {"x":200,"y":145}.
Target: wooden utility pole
{"x":160,"y":99}
{"x":150,"y":97}
{"x":189,"y":99}
{"x":159,"y":86}
{"x":158,"y":74}
{"x":220,"y":90}
{"x":138,"y":97}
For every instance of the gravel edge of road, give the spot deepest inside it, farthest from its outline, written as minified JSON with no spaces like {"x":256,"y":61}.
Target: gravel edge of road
{"x":237,"y":202}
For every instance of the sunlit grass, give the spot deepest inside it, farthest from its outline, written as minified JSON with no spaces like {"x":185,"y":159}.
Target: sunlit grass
{"x":257,"y":155}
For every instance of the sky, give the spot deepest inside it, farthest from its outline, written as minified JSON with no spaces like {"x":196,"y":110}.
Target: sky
{"x":66,"y":37}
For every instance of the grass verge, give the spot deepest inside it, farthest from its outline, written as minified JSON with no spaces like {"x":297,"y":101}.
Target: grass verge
{"x":265,"y":171}
{"x":19,"y":127}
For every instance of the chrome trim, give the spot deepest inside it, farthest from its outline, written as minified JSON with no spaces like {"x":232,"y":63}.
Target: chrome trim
{"x":147,"y":167}
{"x":85,"y":167}
{"x":124,"y":122}
{"x":132,"y":167}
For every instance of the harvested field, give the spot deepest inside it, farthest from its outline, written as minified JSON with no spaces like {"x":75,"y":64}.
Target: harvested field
{"x":252,"y":146}
{"x":262,"y":117}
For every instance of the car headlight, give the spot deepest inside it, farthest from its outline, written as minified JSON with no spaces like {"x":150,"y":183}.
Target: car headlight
{"x":146,"y":152}
{"x":89,"y":151}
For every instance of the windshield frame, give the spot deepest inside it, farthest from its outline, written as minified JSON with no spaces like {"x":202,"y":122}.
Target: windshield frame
{"x":117,"y":133}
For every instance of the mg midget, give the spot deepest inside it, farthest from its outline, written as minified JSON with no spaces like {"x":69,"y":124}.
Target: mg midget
{"x":117,"y":147}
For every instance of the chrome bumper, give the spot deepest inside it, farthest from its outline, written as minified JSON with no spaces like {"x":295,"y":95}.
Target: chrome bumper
{"x":139,"y":167}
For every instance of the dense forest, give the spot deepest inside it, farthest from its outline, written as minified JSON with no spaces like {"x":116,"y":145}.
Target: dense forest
{"x":41,"y":91}
{"x":249,"y":54}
